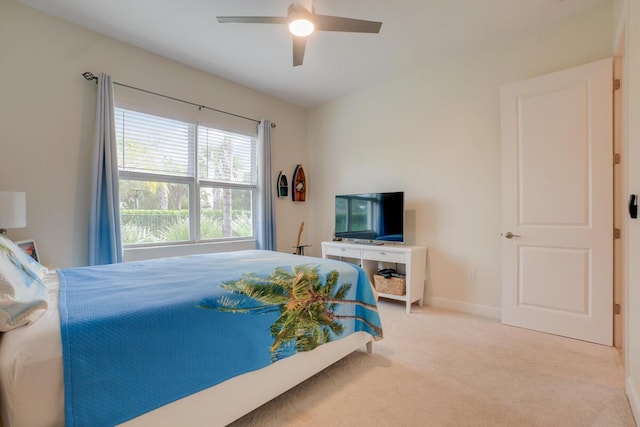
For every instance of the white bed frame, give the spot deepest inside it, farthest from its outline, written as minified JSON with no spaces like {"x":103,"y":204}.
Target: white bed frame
{"x":220,"y":405}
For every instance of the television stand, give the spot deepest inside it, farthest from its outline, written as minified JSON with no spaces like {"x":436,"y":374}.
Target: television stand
{"x":410,"y":260}
{"x":368,"y":243}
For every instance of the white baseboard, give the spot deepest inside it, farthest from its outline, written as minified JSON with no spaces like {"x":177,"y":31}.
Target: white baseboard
{"x":634,"y":398}
{"x":464,"y":307}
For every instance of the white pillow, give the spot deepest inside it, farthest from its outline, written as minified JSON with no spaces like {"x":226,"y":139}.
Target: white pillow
{"x":23,"y":295}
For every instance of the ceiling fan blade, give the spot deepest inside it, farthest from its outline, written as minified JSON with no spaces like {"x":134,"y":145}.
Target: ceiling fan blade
{"x":252,"y":19}
{"x":336,"y":23}
{"x":299,"y":44}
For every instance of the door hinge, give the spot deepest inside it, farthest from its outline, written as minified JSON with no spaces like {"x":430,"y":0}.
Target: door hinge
{"x":616,"y":309}
{"x":616,"y":233}
{"x":616,"y":84}
{"x":616,"y":159}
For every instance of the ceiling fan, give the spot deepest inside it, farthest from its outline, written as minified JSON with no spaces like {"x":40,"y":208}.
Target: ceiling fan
{"x":302,"y":22}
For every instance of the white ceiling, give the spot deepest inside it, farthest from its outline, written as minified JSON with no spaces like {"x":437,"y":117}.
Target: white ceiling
{"x":414,"y":33}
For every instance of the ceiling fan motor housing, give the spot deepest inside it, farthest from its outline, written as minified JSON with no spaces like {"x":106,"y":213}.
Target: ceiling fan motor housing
{"x":300,"y":21}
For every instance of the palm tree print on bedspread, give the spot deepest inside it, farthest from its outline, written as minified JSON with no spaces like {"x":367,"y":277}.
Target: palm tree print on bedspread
{"x":307,"y":307}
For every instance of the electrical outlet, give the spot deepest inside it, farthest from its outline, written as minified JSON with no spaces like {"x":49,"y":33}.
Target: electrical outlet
{"x":472,"y":274}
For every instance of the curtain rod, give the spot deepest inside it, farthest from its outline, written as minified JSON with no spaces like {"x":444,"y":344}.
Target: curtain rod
{"x":89,"y":76}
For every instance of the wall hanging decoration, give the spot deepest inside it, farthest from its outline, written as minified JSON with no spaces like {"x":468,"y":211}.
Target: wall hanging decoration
{"x":298,"y":185}
{"x":282,"y":185}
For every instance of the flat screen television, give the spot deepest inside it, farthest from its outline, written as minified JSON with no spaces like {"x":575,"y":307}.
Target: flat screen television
{"x":370,"y":217}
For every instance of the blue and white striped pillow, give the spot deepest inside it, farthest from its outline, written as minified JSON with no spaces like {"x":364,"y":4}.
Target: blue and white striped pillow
{"x":23,"y":295}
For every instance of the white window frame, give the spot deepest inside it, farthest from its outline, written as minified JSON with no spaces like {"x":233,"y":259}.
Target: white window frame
{"x":138,"y":250}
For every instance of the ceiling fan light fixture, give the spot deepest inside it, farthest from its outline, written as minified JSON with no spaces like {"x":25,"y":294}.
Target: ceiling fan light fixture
{"x":302,"y":21}
{"x":301,"y":27}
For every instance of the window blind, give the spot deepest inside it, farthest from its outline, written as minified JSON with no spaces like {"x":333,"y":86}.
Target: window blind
{"x":152,"y":144}
{"x":226,"y":157}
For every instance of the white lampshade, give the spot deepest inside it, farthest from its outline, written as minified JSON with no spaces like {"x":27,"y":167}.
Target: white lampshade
{"x":13,"y":209}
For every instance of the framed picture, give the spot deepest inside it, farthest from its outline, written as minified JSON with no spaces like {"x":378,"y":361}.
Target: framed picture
{"x":29,"y":246}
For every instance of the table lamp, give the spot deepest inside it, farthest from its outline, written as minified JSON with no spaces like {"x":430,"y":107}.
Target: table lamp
{"x":13,"y":210}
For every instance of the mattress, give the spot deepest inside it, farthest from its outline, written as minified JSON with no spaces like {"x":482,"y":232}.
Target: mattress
{"x":31,"y":381}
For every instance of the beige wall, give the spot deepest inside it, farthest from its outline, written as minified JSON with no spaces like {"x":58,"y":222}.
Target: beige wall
{"x":47,"y":115}
{"x":435,"y":133}
{"x":632,"y":74}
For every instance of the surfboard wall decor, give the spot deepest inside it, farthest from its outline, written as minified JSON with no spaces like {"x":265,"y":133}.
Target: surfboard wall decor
{"x":282,"y":185}
{"x":298,"y":185}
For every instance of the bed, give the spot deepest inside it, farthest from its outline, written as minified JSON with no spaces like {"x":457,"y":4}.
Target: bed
{"x":34,"y":375}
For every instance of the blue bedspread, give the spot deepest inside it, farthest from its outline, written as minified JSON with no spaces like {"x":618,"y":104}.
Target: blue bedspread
{"x":138,"y":335}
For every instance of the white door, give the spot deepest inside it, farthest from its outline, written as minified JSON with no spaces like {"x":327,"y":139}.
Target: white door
{"x":557,"y":202}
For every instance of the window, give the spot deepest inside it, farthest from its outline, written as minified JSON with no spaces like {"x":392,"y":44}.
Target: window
{"x":183,"y":182}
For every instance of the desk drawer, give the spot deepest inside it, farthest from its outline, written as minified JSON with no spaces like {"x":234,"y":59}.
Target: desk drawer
{"x":383,"y":255}
{"x":343,"y":252}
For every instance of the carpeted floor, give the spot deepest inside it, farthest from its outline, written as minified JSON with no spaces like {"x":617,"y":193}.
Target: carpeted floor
{"x":442,"y":368}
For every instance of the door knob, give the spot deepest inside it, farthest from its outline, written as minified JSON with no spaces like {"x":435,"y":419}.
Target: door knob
{"x":509,"y":235}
